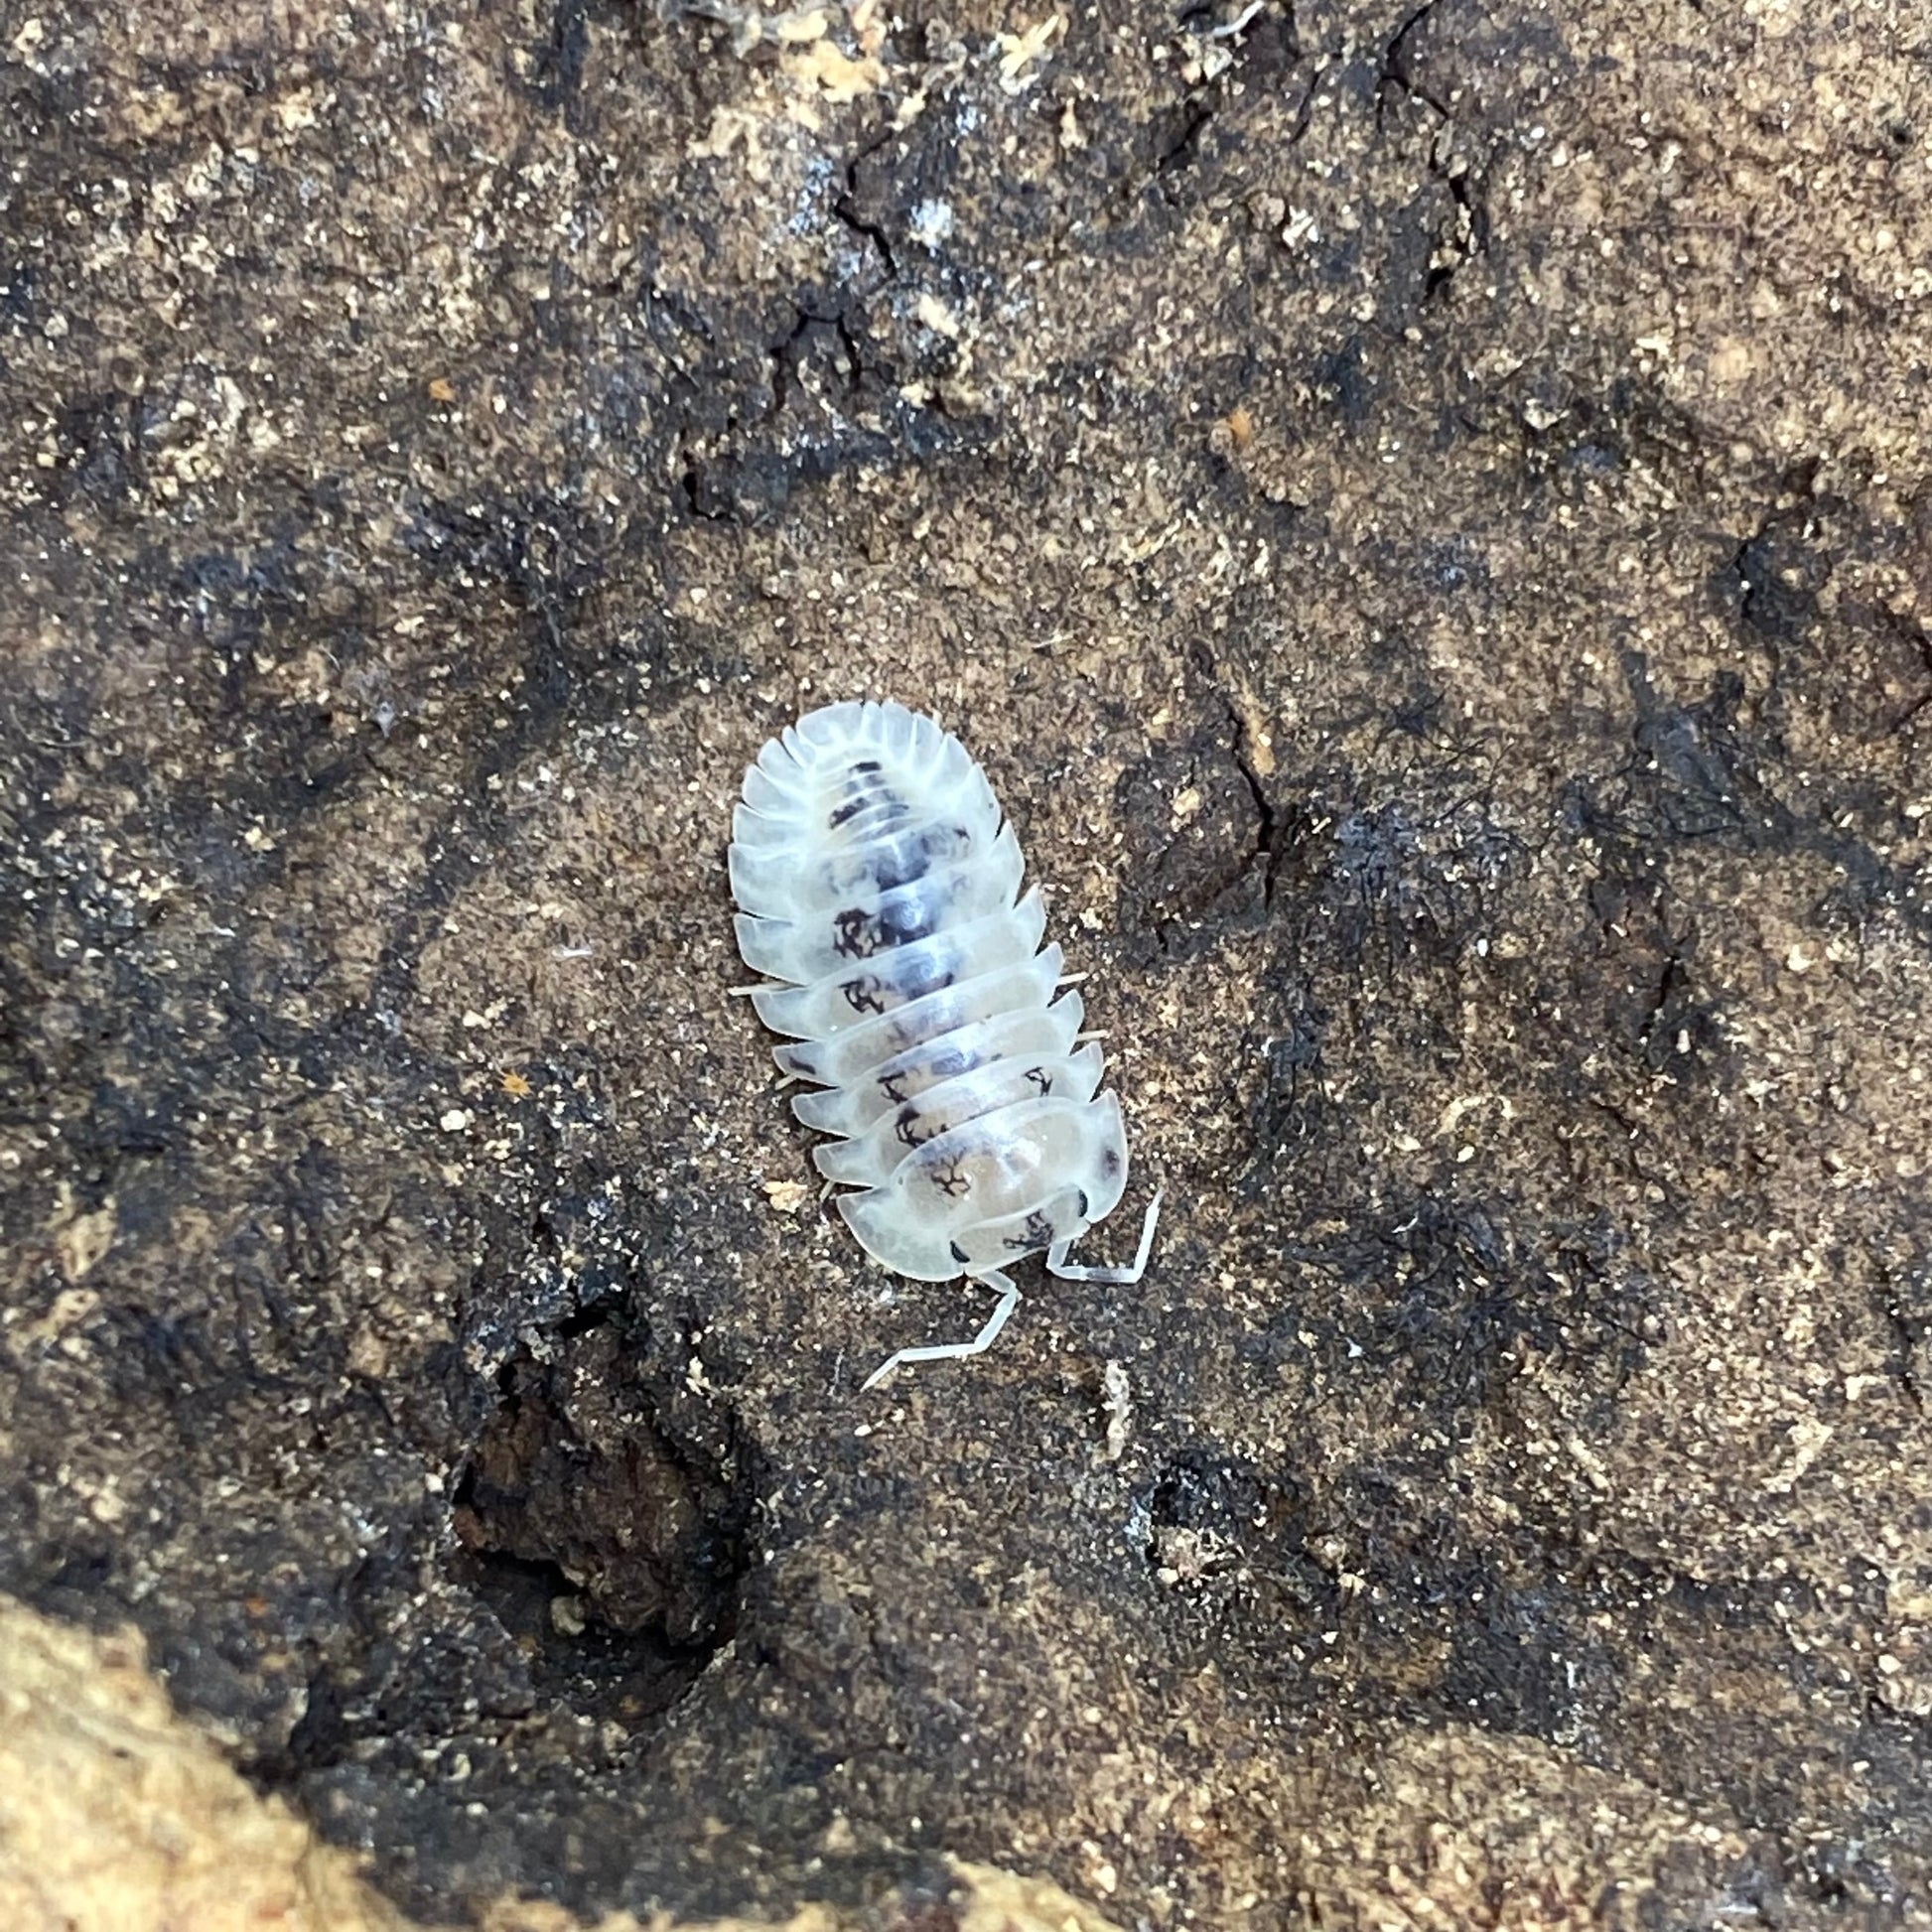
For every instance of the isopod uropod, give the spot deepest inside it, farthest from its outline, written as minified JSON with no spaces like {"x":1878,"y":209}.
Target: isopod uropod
{"x":878,"y":884}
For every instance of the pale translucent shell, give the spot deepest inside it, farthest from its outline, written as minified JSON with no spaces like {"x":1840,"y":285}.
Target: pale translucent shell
{"x":878,"y":886}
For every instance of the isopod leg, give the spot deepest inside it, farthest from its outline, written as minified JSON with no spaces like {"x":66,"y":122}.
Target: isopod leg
{"x":948,"y":1351}
{"x":1073,"y":1271}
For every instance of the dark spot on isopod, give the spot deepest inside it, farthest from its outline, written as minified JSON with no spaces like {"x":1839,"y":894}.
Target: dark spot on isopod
{"x":850,"y":936}
{"x":863,"y":994}
{"x":866,"y":764}
{"x":850,"y":809}
{"x":899,"y":926}
{"x":958,"y":1253}
{"x":1037,"y":1233}
{"x":896,"y":866}
{"x":1082,"y":1193}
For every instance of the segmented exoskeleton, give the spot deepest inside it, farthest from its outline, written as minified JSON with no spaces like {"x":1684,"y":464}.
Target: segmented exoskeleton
{"x":878,"y":885}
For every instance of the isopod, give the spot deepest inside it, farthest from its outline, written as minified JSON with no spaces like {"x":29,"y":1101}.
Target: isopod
{"x":876,"y":883}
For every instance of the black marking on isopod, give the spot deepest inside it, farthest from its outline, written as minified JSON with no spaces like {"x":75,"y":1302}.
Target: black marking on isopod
{"x":864,"y":995}
{"x":865,"y":792}
{"x":859,"y":934}
{"x":1037,"y":1233}
{"x":888,"y":1086}
{"x":951,"y":1180}
{"x":851,"y":931}
{"x":1110,"y":1161}
{"x":959,"y":1254}
{"x":907,"y":1128}
{"x":1082,"y":1193}
{"x":1040,"y":1078}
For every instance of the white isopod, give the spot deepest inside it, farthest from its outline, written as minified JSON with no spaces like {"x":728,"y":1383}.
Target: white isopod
{"x":878,"y":884}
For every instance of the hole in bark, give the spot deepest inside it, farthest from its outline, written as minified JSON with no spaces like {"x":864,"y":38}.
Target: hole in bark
{"x":607,"y":1534}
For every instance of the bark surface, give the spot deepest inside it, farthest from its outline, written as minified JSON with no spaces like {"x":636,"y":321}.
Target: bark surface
{"x":1424,"y":513}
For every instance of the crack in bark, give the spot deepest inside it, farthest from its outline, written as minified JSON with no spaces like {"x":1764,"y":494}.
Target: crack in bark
{"x":1395,"y":64}
{"x":1396,"y":72}
{"x":1268,"y":834}
{"x":845,"y":211}
{"x":1907,"y":1340}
